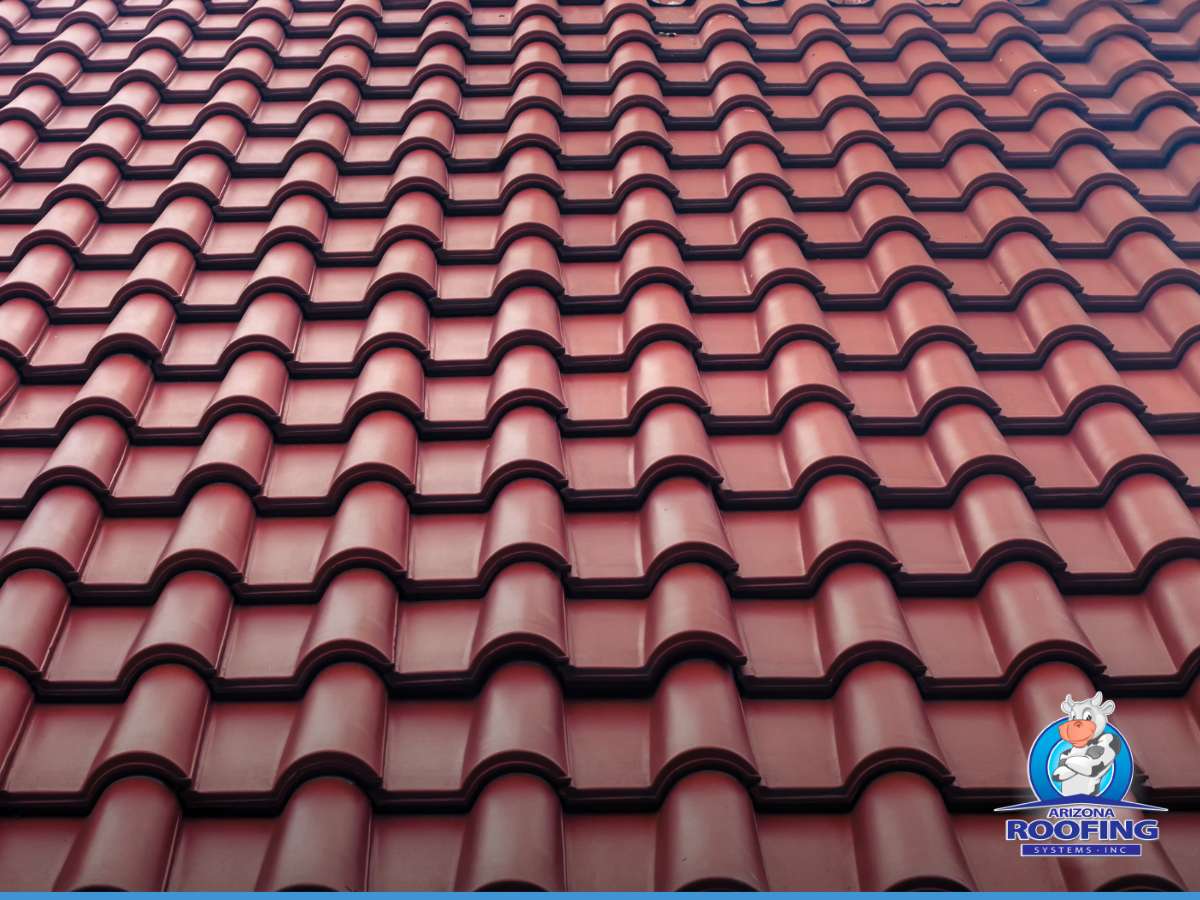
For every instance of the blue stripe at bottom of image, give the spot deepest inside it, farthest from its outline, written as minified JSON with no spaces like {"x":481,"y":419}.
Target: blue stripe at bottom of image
{"x":1081,"y":850}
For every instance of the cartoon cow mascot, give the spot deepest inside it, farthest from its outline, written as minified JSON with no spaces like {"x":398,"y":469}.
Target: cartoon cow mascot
{"x":1093,"y":749}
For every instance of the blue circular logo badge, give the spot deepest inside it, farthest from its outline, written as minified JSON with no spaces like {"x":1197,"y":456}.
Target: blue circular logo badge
{"x":1046,"y":757}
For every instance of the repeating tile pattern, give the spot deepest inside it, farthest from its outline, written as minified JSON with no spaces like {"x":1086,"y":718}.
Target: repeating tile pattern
{"x":682,"y":429}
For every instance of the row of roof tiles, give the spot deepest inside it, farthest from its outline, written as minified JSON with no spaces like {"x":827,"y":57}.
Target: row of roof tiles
{"x":1119,"y":544}
{"x":146,"y":325}
{"x":1161,"y":133}
{"x":1138,"y":83}
{"x":1055,"y":15}
{"x":156,"y":68}
{"x":1106,"y":445}
{"x":952,"y":646}
{"x":817,"y":50}
{"x":706,"y":835}
{"x":1059,"y":23}
{"x":972,"y":168}
{"x":121,"y":21}
{"x":139,"y":101}
{"x":1140,"y":264}
{"x":1108,"y":214}
{"x":1077,"y":375}
{"x":85,"y":48}
{"x":599,"y":751}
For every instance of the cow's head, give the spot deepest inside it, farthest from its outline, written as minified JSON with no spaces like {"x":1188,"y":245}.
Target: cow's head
{"x":1086,"y":719}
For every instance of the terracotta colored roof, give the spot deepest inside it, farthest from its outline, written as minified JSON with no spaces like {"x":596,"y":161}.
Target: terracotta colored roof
{"x":591,"y":446}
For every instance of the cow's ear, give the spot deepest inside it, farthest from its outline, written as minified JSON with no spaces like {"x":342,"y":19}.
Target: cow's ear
{"x":1108,"y":708}
{"x":1067,"y":705}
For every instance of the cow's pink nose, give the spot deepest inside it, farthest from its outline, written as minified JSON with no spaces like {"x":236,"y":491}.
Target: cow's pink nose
{"x":1076,"y":731}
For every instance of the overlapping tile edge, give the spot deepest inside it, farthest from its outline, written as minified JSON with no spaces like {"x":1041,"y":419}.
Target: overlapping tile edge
{"x":407,"y":390}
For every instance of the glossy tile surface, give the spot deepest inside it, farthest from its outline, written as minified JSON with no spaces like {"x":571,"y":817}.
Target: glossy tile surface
{"x":705,"y":434}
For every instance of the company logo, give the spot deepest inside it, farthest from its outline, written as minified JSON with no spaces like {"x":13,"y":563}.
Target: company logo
{"x":1080,"y":770}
